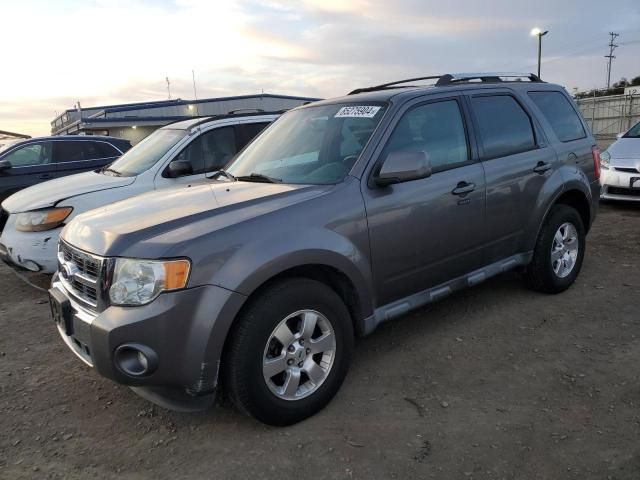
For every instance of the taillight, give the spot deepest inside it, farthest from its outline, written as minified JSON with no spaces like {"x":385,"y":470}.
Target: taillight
{"x":595,"y":153}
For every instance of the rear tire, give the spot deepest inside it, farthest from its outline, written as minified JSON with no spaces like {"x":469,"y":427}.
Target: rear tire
{"x":283,"y":382}
{"x":559,"y":251}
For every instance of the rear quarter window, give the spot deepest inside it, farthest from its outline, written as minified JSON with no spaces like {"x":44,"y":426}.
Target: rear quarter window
{"x":105,"y":150}
{"x":559,"y":112}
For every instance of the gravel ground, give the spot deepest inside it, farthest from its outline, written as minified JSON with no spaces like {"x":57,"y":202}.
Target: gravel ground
{"x":494,"y":382}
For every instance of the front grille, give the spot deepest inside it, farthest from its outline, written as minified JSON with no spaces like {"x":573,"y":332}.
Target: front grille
{"x":627,"y":169}
{"x":631,"y":192}
{"x":80,"y":273}
{"x":4,"y":216}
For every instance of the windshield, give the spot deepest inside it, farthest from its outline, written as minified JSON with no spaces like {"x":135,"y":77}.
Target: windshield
{"x":313,"y":145}
{"x":145,"y":154}
{"x":634,"y":132}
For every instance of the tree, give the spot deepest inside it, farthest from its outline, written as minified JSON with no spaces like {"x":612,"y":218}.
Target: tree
{"x":616,"y":89}
{"x":621,"y":84}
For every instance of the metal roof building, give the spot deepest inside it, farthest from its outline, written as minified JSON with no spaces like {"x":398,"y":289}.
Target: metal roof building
{"x":134,"y":121}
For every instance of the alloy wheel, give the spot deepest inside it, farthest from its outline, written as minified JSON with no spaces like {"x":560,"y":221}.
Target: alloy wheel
{"x":299,"y":355}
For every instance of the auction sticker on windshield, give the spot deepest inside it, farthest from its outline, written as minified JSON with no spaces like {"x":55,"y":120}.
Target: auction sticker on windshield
{"x":358,"y":111}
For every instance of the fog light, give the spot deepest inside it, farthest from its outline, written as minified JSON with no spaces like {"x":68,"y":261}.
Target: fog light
{"x":135,"y":360}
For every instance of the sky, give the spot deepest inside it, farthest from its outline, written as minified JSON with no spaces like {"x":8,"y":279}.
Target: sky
{"x":58,"y":52}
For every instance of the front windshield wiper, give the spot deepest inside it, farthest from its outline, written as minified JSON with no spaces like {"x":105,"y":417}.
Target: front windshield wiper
{"x":111,"y":170}
{"x":223,"y":172}
{"x":258,"y":177}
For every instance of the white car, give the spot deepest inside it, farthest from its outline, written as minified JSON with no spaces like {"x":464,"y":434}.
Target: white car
{"x":620,"y":167}
{"x":179,"y":153}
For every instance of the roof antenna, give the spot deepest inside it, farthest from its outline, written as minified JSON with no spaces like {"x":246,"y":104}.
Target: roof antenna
{"x":168,"y":87}
{"x":195,"y":94}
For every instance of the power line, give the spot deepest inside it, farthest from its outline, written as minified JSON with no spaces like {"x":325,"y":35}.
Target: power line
{"x":611,"y":56}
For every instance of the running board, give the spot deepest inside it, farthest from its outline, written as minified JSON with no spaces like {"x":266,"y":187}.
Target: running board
{"x":430,"y":295}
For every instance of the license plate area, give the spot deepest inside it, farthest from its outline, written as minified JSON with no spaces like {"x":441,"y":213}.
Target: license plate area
{"x":61,"y":310}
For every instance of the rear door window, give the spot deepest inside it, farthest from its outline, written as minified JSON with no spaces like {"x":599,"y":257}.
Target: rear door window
{"x":103,"y":150}
{"x":560,"y":114}
{"x":68,"y":151}
{"x":505,"y":128}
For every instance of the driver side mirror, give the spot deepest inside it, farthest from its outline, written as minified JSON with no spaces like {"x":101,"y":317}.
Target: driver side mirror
{"x":401,"y":167}
{"x":620,"y":135}
{"x":4,"y":165}
{"x":179,"y":168}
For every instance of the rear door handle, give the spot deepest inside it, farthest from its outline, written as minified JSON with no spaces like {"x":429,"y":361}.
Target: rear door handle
{"x":463,"y":188}
{"x":542,"y":167}
{"x":44,"y":176}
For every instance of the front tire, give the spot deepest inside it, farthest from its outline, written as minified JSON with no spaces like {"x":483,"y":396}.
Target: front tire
{"x":559,"y":251}
{"x":289,"y":352}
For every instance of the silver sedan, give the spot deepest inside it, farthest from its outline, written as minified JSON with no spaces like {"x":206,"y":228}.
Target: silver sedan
{"x":620,"y":167}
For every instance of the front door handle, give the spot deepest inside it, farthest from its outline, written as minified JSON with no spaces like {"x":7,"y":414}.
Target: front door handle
{"x":45,"y":176}
{"x":542,"y":167}
{"x":463,"y":188}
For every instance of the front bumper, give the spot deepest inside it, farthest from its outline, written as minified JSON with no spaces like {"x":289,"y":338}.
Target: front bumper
{"x":34,"y":251}
{"x":186,"y":330}
{"x":616,"y":185}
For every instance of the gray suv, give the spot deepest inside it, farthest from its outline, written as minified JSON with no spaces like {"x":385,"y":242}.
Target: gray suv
{"x":341,"y":215}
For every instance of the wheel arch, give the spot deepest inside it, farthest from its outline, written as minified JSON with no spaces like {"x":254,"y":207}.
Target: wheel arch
{"x":347,"y":283}
{"x":573,"y":196}
{"x":578,"y":200}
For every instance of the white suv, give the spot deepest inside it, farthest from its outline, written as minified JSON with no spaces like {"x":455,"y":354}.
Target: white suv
{"x":179,"y":153}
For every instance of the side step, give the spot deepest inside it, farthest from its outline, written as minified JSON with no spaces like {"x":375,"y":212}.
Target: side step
{"x":430,"y":295}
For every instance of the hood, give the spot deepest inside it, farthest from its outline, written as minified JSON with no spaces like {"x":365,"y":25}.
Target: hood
{"x":625,"y":148}
{"x":178,"y":213}
{"x":49,"y":193}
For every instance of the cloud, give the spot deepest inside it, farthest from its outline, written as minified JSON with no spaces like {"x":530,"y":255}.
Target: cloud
{"x":115,"y":51}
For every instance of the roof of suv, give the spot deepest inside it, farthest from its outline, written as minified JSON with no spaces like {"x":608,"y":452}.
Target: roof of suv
{"x":195,"y":121}
{"x":75,"y":137}
{"x":79,"y":138}
{"x":414,"y":86}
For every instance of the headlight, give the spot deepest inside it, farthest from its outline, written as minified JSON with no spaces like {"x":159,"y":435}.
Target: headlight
{"x":40,"y":220}
{"x":605,"y":160}
{"x":138,"y":282}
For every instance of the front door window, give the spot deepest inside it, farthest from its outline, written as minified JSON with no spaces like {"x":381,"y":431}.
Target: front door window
{"x":30,"y":155}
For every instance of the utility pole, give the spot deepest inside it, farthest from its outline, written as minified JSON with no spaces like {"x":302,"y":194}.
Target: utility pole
{"x":193,"y":77}
{"x":195,"y":93}
{"x":168,"y":87}
{"x":611,"y":56}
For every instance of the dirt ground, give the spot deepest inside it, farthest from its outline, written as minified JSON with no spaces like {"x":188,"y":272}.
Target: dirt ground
{"x":496,"y":382}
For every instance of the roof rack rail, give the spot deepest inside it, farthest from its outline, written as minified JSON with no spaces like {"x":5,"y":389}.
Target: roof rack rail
{"x":210,"y":118}
{"x":450,"y":78}
{"x":485,"y":77}
{"x":392,"y":84}
{"x":245,"y":110}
